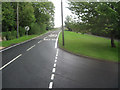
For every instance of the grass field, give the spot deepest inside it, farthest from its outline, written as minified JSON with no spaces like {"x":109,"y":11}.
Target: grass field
{"x":89,"y":45}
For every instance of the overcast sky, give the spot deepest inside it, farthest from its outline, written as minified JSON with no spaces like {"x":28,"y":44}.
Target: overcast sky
{"x":66,"y":11}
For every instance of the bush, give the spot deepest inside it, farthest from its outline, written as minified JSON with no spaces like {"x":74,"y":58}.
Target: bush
{"x":42,"y":28}
{"x":37,"y":29}
{"x":22,"y":31}
{"x":9,"y":35}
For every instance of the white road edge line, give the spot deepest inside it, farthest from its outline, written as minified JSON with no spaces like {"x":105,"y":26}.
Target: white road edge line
{"x":10,"y":62}
{"x":30,"y":48}
{"x":52,"y":76}
{"x":50,"y":85}
{"x":53,"y":70}
{"x":57,"y":40}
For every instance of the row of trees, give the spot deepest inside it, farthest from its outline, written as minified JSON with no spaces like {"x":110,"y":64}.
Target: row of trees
{"x":100,"y":18}
{"x":39,"y":16}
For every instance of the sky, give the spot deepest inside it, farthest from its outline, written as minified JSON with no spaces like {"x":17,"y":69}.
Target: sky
{"x":66,"y":11}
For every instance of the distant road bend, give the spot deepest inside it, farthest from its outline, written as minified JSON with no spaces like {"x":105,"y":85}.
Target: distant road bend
{"x":39,"y":63}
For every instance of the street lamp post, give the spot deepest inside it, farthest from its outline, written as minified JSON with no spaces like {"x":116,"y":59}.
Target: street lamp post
{"x":62,"y":22}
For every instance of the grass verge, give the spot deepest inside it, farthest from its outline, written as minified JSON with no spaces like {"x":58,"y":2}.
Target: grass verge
{"x":15,"y":41}
{"x":89,"y":45}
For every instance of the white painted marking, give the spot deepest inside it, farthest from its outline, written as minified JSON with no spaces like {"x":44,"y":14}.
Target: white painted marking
{"x":53,"y":35}
{"x":53,"y":70}
{"x":18,"y":44}
{"x":55,"y":60}
{"x":54,"y":64}
{"x":53,"y":31}
{"x":53,"y":39}
{"x":50,"y":85}
{"x":52,"y":76}
{"x":57,"y":53}
{"x":45,"y":38}
{"x":57,"y":40}
{"x":40,"y":41}
{"x":30,"y":48}
{"x":10,"y":62}
{"x":55,"y":57}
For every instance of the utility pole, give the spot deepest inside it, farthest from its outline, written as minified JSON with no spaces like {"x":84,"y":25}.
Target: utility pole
{"x":17,"y":19}
{"x":62,"y":22}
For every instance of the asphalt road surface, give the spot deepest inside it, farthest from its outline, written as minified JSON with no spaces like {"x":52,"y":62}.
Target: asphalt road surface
{"x":39,"y":63}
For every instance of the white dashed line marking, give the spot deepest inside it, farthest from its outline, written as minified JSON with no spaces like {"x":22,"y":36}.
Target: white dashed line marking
{"x":10,"y":62}
{"x":53,"y":70}
{"x":57,"y":53}
{"x":52,"y":76}
{"x":55,"y":60}
{"x":50,"y":85}
{"x":53,"y":39}
{"x":39,"y":41}
{"x":45,"y":38}
{"x":30,"y":48}
{"x":54,"y":65}
{"x":55,"y":57}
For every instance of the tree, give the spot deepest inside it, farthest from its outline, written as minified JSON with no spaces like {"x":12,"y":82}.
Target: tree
{"x":102,"y":17}
{"x":44,"y":13}
{"x":8,"y":17}
{"x":26,"y":14}
{"x":68,"y":22}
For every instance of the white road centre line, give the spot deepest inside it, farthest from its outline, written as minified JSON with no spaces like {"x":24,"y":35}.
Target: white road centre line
{"x":50,"y":85}
{"x":40,"y":41}
{"x":52,"y":76}
{"x":30,"y":48}
{"x":54,"y":65}
{"x":57,"y":53}
{"x":10,"y":62}
{"x":53,"y":70}
{"x":55,"y":57}
{"x":55,"y":60}
{"x":57,"y":40}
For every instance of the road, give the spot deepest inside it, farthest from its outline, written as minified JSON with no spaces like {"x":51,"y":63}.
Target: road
{"x":39,"y":63}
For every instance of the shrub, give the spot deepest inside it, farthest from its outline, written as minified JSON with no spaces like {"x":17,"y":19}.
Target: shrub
{"x":37,"y":29}
{"x":22,"y":31}
{"x":9,"y":35}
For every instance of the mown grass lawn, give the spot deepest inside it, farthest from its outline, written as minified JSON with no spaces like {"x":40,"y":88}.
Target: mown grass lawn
{"x":89,"y":45}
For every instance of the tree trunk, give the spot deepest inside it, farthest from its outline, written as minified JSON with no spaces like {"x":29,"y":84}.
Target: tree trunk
{"x":112,"y":40}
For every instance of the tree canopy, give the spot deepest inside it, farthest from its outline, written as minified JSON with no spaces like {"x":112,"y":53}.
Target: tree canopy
{"x":101,"y":18}
{"x":32,"y":14}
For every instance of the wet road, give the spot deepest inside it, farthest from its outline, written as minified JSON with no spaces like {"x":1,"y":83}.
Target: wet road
{"x":39,"y":63}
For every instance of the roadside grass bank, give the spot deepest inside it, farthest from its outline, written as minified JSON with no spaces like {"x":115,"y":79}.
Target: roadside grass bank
{"x":89,"y":45}
{"x":19,"y":40}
